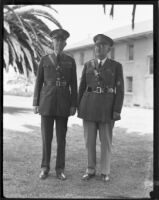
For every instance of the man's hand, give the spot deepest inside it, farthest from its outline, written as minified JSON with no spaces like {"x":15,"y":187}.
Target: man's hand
{"x":116,"y":116}
{"x":36,"y":109}
{"x":72,"y":111}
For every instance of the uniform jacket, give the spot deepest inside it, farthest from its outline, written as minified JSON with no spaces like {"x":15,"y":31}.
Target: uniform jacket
{"x":53,"y":100}
{"x":100,"y":107}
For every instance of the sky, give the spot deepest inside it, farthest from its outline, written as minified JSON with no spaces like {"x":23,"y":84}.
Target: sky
{"x":83,"y":21}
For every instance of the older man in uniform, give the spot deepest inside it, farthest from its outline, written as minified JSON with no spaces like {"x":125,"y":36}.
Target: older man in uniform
{"x":55,"y":99}
{"x":101,"y":94}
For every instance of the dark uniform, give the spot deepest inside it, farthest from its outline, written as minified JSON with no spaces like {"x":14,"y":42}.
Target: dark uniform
{"x":100,"y":101}
{"x":55,"y":93}
{"x":53,"y":99}
{"x":93,"y":105}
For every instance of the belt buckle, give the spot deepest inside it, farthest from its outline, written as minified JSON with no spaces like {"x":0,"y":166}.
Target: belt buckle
{"x":111,"y":90}
{"x":98,"y":90}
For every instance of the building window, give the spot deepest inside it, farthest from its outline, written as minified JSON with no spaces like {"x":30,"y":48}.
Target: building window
{"x":130,"y":52}
{"x":150,"y":65}
{"x":112,"y":53}
{"x":129,"y":84}
{"x":81,"y":58}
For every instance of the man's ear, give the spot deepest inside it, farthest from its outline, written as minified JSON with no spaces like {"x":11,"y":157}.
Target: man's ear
{"x":65,"y":44}
{"x":109,"y":48}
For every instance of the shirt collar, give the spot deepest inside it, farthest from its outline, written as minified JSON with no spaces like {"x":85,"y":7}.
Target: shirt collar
{"x":103,"y":61}
{"x":57,"y":54}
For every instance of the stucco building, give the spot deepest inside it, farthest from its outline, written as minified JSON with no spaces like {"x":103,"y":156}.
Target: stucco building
{"x":132,"y":48}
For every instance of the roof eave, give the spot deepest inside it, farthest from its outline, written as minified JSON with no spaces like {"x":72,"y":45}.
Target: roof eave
{"x":132,"y":36}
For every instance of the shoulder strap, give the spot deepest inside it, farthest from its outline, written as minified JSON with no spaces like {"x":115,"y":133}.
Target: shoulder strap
{"x":97,"y":74}
{"x":52,"y":60}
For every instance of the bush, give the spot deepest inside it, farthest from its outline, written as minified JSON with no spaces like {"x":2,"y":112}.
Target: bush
{"x":19,"y":87}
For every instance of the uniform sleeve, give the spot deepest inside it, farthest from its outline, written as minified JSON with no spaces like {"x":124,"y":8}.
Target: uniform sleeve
{"x":119,"y":97}
{"x":38,"y":84}
{"x":73,"y":85}
{"x":82,"y":86}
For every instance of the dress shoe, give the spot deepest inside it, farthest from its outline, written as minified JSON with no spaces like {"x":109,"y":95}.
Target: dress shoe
{"x":105,"y":177}
{"x":87,"y":176}
{"x":43,"y":174}
{"x":61,"y":176}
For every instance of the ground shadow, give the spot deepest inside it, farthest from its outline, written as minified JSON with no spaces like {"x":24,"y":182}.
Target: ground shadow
{"x":15,"y":110}
{"x":131,"y":164}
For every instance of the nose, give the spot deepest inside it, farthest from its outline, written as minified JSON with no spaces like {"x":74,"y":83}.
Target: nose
{"x":60,"y":40}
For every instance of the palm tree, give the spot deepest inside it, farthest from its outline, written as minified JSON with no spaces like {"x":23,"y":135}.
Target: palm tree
{"x":112,"y":13}
{"x":26,"y":36}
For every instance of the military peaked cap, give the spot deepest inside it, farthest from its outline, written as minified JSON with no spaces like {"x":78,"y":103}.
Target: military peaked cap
{"x":100,"y":38}
{"x":59,"y":33}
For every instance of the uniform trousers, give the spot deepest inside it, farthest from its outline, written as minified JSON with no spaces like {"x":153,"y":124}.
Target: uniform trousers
{"x":105,"y":136}
{"x":47,"y":124}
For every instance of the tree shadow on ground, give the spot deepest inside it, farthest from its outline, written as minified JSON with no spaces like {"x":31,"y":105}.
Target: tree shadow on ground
{"x":16,"y":110}
{"x":131,"y":165}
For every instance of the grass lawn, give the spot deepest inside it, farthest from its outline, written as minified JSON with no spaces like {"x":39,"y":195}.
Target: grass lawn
{"x":131,"y":169}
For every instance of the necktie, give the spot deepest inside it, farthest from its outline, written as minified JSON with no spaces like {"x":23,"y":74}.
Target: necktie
{"x":100,"y":64}
{"x":58,"y":58}
{"x":58,"y":69}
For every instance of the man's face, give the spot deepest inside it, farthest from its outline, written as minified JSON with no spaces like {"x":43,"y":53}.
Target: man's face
{"x":58,"y":44}
{"x":101,"y":50}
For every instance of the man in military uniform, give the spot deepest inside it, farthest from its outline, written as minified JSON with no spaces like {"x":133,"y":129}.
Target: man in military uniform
{"x":55,"y":99}
{"x":101,"y":94}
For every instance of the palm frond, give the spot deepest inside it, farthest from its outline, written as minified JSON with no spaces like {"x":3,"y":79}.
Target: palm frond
{"x":6,"y":26}
{"x":49,"y":6}
{"x":13,"y":59}
{"x":16,"y":46}
{"x":29,"y":57}
{"x":47,"y":16}
{"x":35,"y":21}
{"x":112,"y":11}
{"x":133,"y":16}
{"x":25,"y":6}
{"x":12,"y":55}
{"x":104,"y":8}
{"x":6,"y":54}
{"x":21,"y":23}
{"x":32,"y":30}
{"x":24,"y":67}
{"x":39,"y":10}
{"x":26,"y":36}
{"x":14,"y":7}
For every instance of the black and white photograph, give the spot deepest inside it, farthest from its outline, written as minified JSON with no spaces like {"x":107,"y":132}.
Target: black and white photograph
{"x":78,"y":101}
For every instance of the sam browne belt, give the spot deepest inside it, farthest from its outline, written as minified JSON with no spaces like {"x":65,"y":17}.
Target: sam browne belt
{"x":57,"y":83}
{"x":101,"y":90}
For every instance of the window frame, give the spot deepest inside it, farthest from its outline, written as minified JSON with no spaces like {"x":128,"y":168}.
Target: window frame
{"x":128,"y":54}
{"x":81,"y":59}
{"x":112,"y":50}
{"x":149,"y":67}
{"x":128,"y":86}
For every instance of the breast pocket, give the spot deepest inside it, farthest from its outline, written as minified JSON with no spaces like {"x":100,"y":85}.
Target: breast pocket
{"x":49,"y":72}
{"x":67,"y":68}
{"x":108,"y":76}
{"x":47,"y":69}
{"x":90,"y":76}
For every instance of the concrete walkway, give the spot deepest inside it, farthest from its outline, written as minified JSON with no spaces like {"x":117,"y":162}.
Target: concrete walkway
{"x":133,"y":119}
